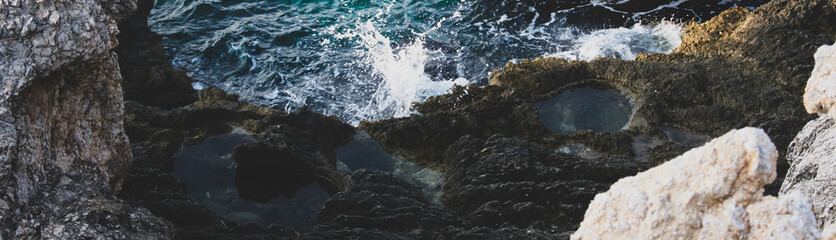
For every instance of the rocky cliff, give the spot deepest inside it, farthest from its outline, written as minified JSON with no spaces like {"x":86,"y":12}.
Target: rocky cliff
{"x":711,"y":192}
{"x":63,"y":150}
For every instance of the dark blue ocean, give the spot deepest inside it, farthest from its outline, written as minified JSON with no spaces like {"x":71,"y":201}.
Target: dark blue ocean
{"x":370,"y":59}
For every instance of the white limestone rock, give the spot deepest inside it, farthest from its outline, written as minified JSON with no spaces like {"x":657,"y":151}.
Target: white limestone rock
{"x":711,"y":192}
{"x":820,"y":94}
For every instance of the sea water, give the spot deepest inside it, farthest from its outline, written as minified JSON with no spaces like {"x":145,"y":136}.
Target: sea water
{"x":371,"y":59}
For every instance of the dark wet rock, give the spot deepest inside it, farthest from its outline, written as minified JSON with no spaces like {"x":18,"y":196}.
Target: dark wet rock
{"x":742,"y":68}
{"x":376,"y":200}
{"x":380,"y":205}
{"x":184,"y":213}
{"x":296,"y":151}
{"x":509,"y":176}
{"x":148,"y":76}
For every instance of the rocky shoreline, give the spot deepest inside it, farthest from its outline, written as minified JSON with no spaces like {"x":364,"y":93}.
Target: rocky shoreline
{"x":89,"y":137}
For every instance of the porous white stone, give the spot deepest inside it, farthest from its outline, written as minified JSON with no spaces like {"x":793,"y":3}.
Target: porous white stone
{"x":820,"y":93}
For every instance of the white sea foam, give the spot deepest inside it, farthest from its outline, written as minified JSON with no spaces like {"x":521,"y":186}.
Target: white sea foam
{"x":623,"y":43}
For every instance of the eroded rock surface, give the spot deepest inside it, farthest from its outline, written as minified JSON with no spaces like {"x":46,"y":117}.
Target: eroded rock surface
{"x":711,"y":192}
{"x":63,"y":150}
{"x":813,"y":171}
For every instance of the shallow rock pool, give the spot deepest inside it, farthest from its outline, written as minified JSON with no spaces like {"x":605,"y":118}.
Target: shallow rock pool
{"x":587,"y":108}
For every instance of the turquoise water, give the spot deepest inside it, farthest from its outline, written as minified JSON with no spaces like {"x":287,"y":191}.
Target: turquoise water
{"x":370,"y":59}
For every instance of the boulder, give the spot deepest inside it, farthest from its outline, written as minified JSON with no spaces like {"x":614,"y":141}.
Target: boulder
{"x":711,"y":192}
{"x":820,"y":94}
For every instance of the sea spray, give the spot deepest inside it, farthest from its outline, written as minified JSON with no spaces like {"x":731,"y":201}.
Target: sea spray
{"x":403,"y":80}
{"x":622,"y":42}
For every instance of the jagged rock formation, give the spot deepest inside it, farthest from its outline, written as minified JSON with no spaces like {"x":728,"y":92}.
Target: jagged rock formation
{"x":63,"y":151}
{"x":711,"y":192}
{"x":811,"y":154}
{"x":504,"y":180}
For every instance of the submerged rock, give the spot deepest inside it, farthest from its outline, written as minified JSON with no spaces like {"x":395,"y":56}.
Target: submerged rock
{"x":295,"y":152}
{"x":290,"y":152}
{"x":711,"y":192}
{"x":63,"y":150}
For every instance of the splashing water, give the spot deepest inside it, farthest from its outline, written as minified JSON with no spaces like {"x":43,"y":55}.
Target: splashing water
{"x":401,"y":73}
